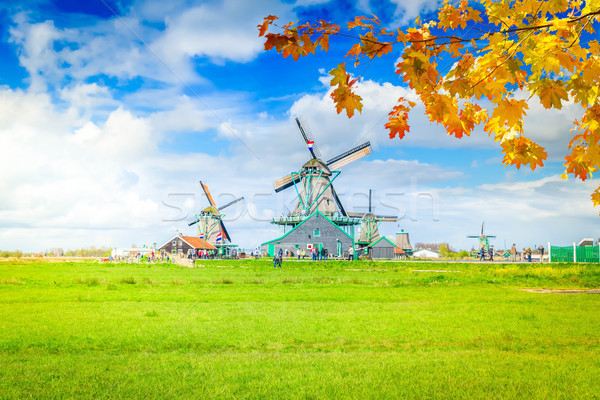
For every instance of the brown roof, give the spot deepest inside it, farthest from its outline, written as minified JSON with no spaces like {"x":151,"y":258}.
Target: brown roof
{"x":198,"y":243}
{"x":398,"y":250}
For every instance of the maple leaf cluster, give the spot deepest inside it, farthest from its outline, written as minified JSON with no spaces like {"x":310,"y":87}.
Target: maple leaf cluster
{"x":476,"y":52}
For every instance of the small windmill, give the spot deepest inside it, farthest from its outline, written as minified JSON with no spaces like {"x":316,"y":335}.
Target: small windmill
{"x":314,"y":183}
{"x":210,"y":220}
{"x":369,"y":229}
{"x":484,"y":240}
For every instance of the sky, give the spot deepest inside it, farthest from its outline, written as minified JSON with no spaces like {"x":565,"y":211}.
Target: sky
{"x":111,"y":112}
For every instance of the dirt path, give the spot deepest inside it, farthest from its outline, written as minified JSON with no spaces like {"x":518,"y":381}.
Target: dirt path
{"x":562,"y":291}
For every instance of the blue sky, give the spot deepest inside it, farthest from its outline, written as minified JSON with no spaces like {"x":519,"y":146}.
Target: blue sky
{"x":111,"y":112}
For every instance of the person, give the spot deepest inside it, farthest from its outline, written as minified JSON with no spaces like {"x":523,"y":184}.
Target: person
{"x":513,"y":253}
{"x":280,"y":257}
{"x":491,"y":253}
{"x":303,"y":254}
{"x":523,"y":254}
{"x":326,"y":253}
{"x":482,"y":254}
{"x":322,"y":253}
{"x":315,"y":253}
{"x":351,"y":254}
{"x":529,"y":254}
{"x":541,"y":250}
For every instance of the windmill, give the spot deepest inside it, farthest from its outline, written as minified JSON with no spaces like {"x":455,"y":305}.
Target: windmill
{"x":369,"y":229}
{"x":314,"y":184}
{"x":210,"y":220}
{"x":484,"y":240}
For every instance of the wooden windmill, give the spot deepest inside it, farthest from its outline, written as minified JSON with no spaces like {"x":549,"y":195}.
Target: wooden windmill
{"x":210,"y":221}
{"x":484,"y":240}
{"x":314,"y":183}
{"x":369,"y":229}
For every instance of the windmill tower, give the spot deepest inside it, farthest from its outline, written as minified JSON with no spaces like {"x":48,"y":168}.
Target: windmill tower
{"x":210,"y":221}
{"x":314,"y":183}
{"x":369,"y":228}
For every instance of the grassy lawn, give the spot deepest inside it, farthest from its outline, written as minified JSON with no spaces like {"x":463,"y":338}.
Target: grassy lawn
{"x":311,"y":330}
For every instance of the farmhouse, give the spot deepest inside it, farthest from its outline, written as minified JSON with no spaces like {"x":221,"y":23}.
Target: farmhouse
{"x":186,"y":245}
{"x":315,"y":231}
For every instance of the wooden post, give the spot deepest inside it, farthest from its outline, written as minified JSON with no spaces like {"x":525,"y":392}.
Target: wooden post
{"x":574,"y":252}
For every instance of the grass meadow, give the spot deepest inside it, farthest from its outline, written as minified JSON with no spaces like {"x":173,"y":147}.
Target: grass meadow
{"x":322,"y":330}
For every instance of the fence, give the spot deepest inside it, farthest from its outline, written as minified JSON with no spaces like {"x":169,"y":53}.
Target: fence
{"x":588,"y":254}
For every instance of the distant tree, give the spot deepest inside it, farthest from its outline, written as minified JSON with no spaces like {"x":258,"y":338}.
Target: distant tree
{"x":443,"y":249}
{"x":471,"y":55}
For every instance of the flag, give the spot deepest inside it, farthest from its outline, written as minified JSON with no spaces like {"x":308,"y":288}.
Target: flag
{"x":310,"y":144}
{"x":219,"y":236}
{"x":201,"y":236}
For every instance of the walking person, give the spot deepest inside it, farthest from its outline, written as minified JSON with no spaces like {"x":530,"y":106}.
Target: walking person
{"x":513,"y":253}
{"x":351,"y":254}
{"x":278,"y":258}
{"x":491,"y":253}
{"x":528,"y":254}
{"x":481,"y":254}
{"x":523,"y":255}
{"x":541,"y":250}
{"x":303,"y":254}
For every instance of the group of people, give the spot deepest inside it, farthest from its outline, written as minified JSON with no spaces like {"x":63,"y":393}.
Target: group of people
{"x":490,"y":253}
{"x":525,"y":253}
{"x":315,"y":253}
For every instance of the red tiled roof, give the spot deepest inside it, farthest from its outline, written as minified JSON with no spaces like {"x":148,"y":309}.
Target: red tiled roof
{"x":198,"y":243}
{"x":398,"y":250}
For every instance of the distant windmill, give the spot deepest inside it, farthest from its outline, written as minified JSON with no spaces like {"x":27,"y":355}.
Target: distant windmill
{"x":369,"y":229}
{"x":210,"y":220}
{"x":484,"y":240}
{"x":314,"y":182}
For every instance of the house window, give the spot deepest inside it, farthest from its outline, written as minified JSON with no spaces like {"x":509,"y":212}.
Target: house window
{"x":316,"y":233}
{"x":173,"y":251}
{"x":180,"y":243}
{"x":174,"y":243}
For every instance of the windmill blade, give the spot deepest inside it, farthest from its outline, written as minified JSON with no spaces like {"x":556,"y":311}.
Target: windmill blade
{"x":207,"y":193}
{"x":225,"y":233}
{"x":230,"y":203}
{"x":388,"y":218}
{"x":338,"y":202}
{"x":490,"y":236}
{"x":349,"y":156}
{"x":473,"y":236}
{"x":193,"y":222}
{"x":308,"y":139}
{"x":285,"y":182}
{"x":355,"y":215}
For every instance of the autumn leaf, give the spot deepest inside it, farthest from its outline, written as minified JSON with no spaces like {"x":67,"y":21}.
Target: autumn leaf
{"x":596,"y":197}
{"x":520,"y":150}
{"x":345,"y":99}
{"x":398,"y":118}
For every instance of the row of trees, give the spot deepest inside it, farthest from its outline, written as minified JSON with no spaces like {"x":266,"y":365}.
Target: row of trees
{"x":58,"y":252}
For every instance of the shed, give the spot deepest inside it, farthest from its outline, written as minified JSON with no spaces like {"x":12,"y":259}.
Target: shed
{"x":185,"y":245}
{"x":382,"y":248}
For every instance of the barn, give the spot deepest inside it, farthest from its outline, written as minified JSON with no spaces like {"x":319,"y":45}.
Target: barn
{"x":186,"y":245}
{"x":315,"y":231}
{"x":382,"y":248}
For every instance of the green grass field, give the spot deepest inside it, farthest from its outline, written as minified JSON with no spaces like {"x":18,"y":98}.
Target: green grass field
{"x":311,"y":330}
